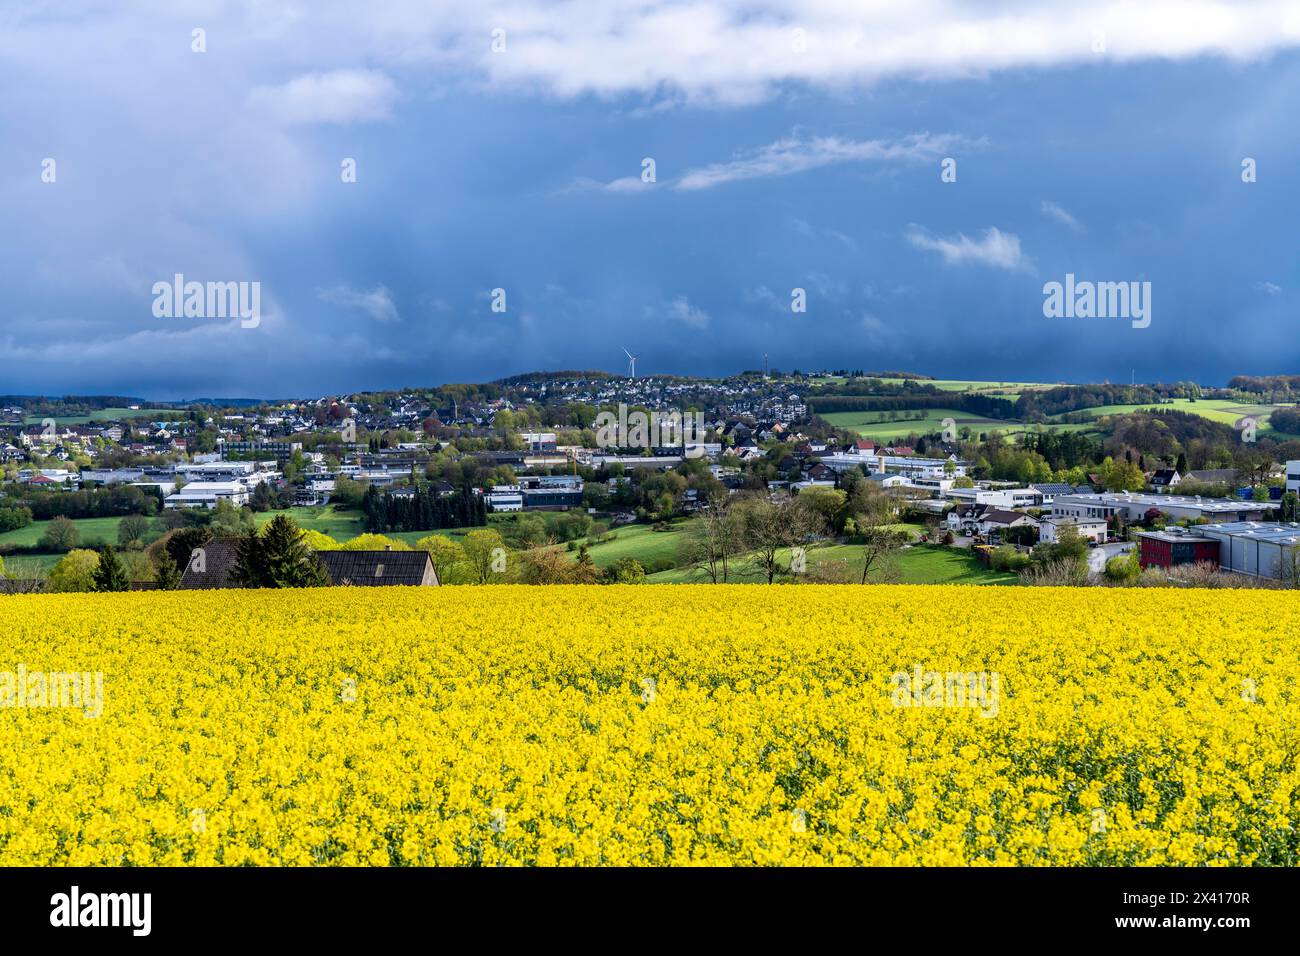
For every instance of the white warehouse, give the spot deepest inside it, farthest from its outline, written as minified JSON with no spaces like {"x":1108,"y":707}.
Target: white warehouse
{"x":206,"y":494}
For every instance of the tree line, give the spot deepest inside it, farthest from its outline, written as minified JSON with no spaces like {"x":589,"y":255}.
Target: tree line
{"x":423,"y":510}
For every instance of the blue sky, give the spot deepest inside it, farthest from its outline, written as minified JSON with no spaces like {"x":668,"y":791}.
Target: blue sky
{"x":1088,"y":139}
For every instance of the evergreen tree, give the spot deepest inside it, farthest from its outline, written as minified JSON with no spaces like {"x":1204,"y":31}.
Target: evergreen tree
{"x":277,"y":558}
{"x":180,"y":545}
{"x":262,"y":499}
{"x":166,"y":572}
{"x":110,"y":575}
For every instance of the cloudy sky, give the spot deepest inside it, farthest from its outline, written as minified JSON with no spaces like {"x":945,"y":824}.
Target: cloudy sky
{"x":796,"y":144}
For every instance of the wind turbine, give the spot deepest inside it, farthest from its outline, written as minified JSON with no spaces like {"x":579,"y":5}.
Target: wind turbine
{"x":631,"y":364}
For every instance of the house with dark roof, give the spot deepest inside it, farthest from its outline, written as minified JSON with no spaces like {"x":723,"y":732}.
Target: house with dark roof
{"x":983,"y":519}
{"x":996,"y":520}
{"x":1165,"y":478}
{"x":1214,"y":476}
{"x":210,"y":565}
{"x":379,"y":568}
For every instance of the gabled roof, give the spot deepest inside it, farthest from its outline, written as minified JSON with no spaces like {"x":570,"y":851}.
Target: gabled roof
{"x":998,"y":516}
{"x":1214,"y":476}
{"x":378,"y":568}
{"x":219,"y":556}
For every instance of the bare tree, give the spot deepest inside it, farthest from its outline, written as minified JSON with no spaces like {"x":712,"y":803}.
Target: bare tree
{"x":880,"y":541}
{"x":772,"y":526}
{"x":712,"y":540}
{"x":24,"y":576}
{"x":1288,"y":567}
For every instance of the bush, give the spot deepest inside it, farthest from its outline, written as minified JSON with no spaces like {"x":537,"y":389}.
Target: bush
{"x":623,"y":571}
{"x":1123,"y":568}
{"x":1063,"y":573}
{"x":61,"y":535}
{"x":14,"y":517}
{"x":1007,"y":558}
{"x":75,"y":572}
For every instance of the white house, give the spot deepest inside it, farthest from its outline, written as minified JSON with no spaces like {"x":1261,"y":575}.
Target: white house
{"x":984,"y":519}
{"x":1091,"y":529}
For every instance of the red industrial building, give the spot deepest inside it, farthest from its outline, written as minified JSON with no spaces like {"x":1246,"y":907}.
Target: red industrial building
{"x":1165,"y":549}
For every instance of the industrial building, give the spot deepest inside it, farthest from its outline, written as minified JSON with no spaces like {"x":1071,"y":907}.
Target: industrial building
{"x":1250,"y":547}
{"x":1175,"y":546}
{"x":1258,"y":549}
{"x":1135,"y":506}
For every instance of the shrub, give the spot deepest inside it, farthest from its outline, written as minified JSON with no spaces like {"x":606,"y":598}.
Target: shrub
{"x":1123,"y":568}
{"x":13,"y":517}
{"x":1007,"y":558}
{"x":61,"y":535}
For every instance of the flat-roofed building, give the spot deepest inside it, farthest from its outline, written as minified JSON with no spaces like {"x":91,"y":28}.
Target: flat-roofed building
{"x":1175,"y":546}
{"x":1134,"y":506}
{"x":206,"y":494}
{"x":1262,"y":549}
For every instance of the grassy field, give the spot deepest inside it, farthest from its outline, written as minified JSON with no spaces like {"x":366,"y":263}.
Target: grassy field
{"x":872,"y":424}
{"x":339,"y":525}
{"x":638,"y":541}
{"x":103,"y":415}
{"x":1216,"y":410}
{"x":920,"y":564}
{"x":93,"y":530}
{"x":964,"y":385}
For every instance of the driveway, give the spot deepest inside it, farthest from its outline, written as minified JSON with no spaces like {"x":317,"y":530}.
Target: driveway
{"x":1098,"y":556}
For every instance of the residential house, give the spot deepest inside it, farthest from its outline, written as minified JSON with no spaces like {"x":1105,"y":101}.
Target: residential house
{"x":1165,"y":478}
{"x":379,"y":568}
{"x":1090,"y":529}
{"x":210,"y":565}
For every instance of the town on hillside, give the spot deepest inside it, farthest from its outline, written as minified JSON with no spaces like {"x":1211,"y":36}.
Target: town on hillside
{"x":562,"y":477}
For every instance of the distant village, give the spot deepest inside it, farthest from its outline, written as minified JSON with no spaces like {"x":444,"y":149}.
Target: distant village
{"x":527,"y":445}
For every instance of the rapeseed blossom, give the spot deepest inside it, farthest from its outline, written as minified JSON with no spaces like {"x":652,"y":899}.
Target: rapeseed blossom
{"x":634,"y":725}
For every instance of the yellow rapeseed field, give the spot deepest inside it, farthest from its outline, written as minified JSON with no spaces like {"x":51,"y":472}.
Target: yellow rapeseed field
{"x":639,"y":725}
